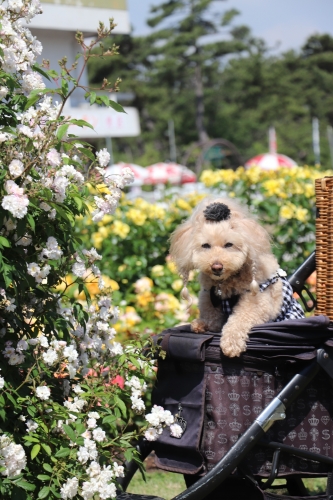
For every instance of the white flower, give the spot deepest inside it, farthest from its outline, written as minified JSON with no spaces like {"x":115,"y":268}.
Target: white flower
{"x":16,"y":205}
{"x":31,"y":425}
{"x":33,"y":269}
{"x":2,"y":382}
{"x":70,"y":488}
{"x":94,"y":414}
{"x":176,"y":431}
{"x":54,"y":158}
{"x":116,"y":349}
{"x":103,"y":157}
{"x":50,"y":357}
{"x":91,"y":423}
{"x":71,"y":353}
{"x":12,"y":457}
{"x":151,"y":434}
{"x":43,"y":392}
{"x":16,"y":168}
{"x":32,"y":81}
{"x":98,"y":434}
{"x":43,"y":341}
{"x":137,"y":404}
{"x":22,"y":345}
{"x":78,"y":269}
{"x":3,"y":91}
{"x":77,"y":389}
{"x":118,"y":470}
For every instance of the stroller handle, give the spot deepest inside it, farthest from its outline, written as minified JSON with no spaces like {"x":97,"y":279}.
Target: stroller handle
{"x":298,"y":278}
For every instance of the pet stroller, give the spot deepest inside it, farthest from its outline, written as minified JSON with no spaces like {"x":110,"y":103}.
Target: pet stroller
{"x":250,"y":420}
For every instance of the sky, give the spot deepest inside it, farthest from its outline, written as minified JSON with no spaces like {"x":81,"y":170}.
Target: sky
{"x":284,"y":24}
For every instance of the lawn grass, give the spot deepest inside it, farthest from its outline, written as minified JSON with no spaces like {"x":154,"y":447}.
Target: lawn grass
{"x":164,"y":484}
{"x":167,"y":485}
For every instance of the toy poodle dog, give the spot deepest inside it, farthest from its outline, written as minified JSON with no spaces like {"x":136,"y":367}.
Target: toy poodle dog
{"x":241,"y":283}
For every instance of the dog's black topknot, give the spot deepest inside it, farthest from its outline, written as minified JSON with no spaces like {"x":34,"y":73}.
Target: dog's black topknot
{"x":216,"y":212}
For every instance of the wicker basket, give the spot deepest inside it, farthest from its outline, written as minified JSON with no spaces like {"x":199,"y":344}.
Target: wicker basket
{"x":324,"y":246}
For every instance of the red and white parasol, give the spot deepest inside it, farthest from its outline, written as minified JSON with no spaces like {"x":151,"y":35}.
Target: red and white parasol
{"x":270,"y":161}
{"x":162,"y":173}
{"x":140,"y":173}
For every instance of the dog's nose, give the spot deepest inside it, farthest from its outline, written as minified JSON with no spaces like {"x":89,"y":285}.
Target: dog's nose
{"x":217,"y":268}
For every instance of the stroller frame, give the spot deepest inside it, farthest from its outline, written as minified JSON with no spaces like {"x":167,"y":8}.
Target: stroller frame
{"x":276,"y":410}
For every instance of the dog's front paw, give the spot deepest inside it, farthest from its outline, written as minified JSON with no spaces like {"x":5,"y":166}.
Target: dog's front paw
{"x":199,"y":326}
{"x":231,"y":346}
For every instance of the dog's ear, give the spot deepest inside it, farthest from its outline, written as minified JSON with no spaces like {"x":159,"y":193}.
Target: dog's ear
{"x":181,"y":248}
{"x":258,"y":239}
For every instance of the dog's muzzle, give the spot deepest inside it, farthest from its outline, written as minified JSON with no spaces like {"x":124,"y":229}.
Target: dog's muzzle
{"x":217,"y":268}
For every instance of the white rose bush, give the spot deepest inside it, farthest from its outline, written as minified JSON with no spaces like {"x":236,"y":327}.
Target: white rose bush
{"x":68,"y":390}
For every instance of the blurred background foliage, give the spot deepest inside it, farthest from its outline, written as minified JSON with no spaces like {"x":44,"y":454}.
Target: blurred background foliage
{"x":214,"y":79}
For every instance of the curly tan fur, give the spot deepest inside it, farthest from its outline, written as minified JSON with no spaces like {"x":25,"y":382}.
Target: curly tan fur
{"x":238,"y":258}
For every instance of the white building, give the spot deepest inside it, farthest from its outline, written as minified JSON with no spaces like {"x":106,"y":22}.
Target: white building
{"x":56,"y":29}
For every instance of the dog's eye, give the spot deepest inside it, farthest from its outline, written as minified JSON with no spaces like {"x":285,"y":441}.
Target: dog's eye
{"x":227,"y":245}
{"x":206,"y":245}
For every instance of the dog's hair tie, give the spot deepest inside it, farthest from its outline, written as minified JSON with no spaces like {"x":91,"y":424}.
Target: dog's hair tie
{"x":217,"y":212}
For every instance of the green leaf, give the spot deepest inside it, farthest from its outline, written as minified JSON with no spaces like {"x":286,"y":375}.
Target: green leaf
{"x":63,"y":452}
{"x":81,"y":123}
{"x":92,"y":97}
{"x":70,"y":433}
{"x":109,"y":419}
{"x":52,"y":73}
{"x":88,"y":153}
{"x":117,"y":107}
{"x":31,"y":221}
{"x":120,"y":403}
{"x":47,"y":467}
{"x":128,"y":455}
{"x":4,"y":242}
{"x":35,"y":450}
{"x":62,"y":130}
{"x":31,"y":439}
{"x":37,"y":68}
{"x":25,"y":485}
{"x":43,"y":477}
{"x":31,"y":101}
{"x":80,"y":429}
{"x":44,"y":492}
{"x":47,"y":448}
{"x":11,"y":399}
{"x":64,"y":88}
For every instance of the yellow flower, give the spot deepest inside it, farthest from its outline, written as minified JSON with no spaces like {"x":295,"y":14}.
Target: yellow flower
{"x":155,"y":212}
{"x":287,"y":211}
{"x":122,"y":268}
{"x":120,"y":229}
{"x":301,"y":214}
{"x":136,"y":216}
{"x":103,"y":188}
{"x":94,"y":289}
{"x":107,"y":219}
{"x":177,"y":285}
{"x":145,"y":298}
{"x":184,"y":205}
{"x":172,"y":266}
{"x":309,"y":190}
{"x":157,"y":271}
{"x":273,"y":187}
{"x":97,"y":240}
{"x":144,"y":284}
{"x":165,"y":302}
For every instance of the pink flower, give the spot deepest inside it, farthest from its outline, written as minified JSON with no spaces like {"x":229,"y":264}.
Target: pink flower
{"x":118,"y":380}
